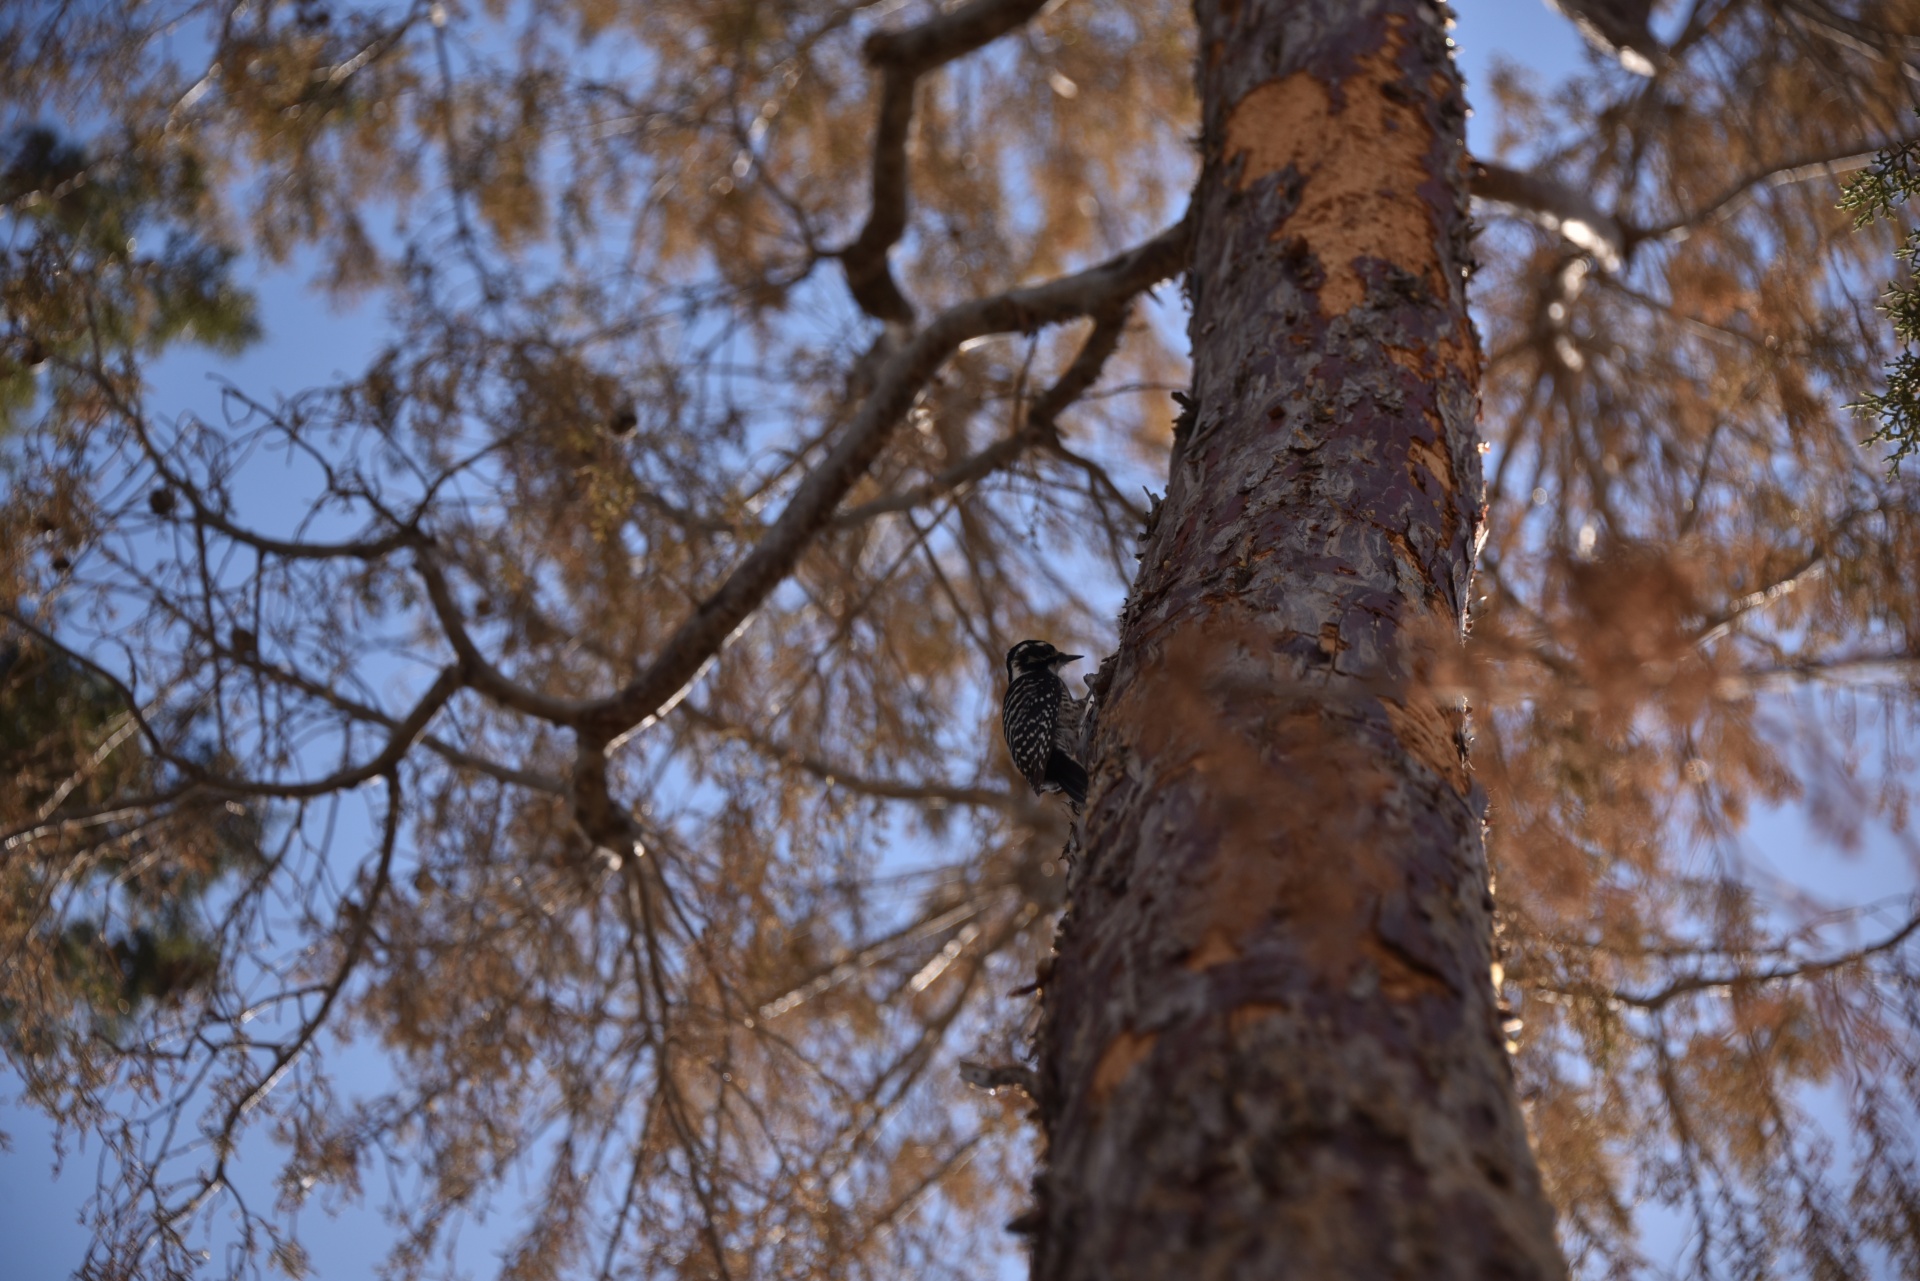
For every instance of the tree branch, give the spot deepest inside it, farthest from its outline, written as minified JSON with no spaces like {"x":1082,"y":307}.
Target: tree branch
{"x":480,"y":673}
{"x":361,"y":916}
{"x":881,"y":788}
{"x":1784,"y":174}
{"x":1553,"y":207}
{"x":1692,"y":983}
{"x":405,"y":732}
{"x":1617,"y":28}
{"x":864,"y":957}
{"x":903,"y":57}
{"x":454,"y":756}
{"x":698,"y":640}
{"x":1038,"y":428}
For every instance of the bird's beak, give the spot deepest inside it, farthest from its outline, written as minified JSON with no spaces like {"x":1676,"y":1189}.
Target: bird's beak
{"x":1064,"y":659}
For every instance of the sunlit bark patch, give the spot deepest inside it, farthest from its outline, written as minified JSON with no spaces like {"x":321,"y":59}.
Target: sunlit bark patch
{"x":1361,"y":155}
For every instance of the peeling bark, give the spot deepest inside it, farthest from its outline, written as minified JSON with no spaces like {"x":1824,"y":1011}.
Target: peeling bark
{"x":1270,"y":1046}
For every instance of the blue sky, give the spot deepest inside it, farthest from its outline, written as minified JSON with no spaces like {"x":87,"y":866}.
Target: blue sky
{"x":306,"y":343}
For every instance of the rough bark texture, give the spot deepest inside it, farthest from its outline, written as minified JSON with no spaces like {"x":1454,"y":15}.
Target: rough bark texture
{"x":1270,"y":1046}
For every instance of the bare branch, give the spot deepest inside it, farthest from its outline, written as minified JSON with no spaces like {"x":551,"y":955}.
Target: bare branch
{"x":1692,"y":983}
{"x":1786,"y":173}
{"x":1553,"y":207}
{"x":361,"y":915}
{"x":440,"y":747}
{"x":903,"y":57}
{"x":406,"y":732}
{"x":696,"y":641}
{"x":1039,"y":428}
{"x":1857,"y":669}
{"x":480,"y":673}
{"x":399,"y":743}
{"x":835,"y":776}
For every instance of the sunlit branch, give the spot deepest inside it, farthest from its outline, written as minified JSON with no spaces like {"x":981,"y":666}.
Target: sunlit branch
{"x":120,"y":688}
{"x":1754,"y":601}
{"x":1811,"y":565}
{"x":132,"y":808}
{"x":1553,"y":207}
{"x":1577,"y":219}
{"x":866,"y":957}
{"x":117,"y":734}
{"x":893,"y":1083}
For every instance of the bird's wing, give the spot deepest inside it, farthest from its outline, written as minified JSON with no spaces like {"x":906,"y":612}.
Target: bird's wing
{"x":1066,"y":726}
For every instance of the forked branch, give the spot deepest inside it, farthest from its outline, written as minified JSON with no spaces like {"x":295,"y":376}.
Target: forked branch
{"x":665,"y":680}
{"x":903,"y":57}
{"x":1039,"y":428}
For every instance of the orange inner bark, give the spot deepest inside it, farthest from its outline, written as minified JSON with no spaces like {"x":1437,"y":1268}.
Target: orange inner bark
{"x":1362,"y":160}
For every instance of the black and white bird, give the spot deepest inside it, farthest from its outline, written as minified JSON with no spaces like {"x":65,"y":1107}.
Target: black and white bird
{"x":1041,"y":720}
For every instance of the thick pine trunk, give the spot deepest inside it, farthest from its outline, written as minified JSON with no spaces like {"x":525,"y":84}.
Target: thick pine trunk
{"x":1270,"y":1045}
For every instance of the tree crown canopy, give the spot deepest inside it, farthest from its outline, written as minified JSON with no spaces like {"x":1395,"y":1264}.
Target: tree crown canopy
{"x":588,"y":703}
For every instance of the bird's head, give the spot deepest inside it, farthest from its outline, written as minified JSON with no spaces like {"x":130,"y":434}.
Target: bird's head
{"x":1036,"y":656}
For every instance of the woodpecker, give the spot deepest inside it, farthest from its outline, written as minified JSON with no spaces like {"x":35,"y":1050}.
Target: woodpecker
{"x":1041,"y":721}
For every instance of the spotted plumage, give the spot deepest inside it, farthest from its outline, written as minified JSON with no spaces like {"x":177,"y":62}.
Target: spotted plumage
{"x":1041,"y":720}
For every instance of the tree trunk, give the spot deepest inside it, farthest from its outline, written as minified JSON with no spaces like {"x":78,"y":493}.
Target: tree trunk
{"x":1270,"y":1046}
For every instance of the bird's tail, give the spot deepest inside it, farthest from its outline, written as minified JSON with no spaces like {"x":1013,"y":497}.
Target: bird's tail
{"x":1065,"y":772}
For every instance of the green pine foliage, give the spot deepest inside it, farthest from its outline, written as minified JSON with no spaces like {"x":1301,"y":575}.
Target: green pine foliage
{"x":127,"y":225}
{"x":142,"y":937}
{"x":1893,"y":179}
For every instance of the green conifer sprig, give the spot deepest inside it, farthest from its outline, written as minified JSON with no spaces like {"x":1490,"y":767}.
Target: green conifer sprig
{"x":1893,"y":179}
